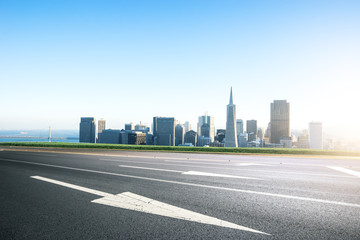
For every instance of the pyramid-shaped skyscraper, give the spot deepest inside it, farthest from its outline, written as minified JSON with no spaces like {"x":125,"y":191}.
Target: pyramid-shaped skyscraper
{"x":230,"y":135}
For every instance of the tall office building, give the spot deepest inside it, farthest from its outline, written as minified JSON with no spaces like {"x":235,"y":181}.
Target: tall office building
{"x":190,"y":137}
{"x":129,"y":126}
{"x":187,"y":126}
{"x":315,"y":135}
{"x":211,"y":125}
{"x":251,"y":129}
{"x":260,"y":133}
{"x":179,"y":134}
{"x":231,"y":138}
{"x":101,"y":127}
{"x":87,"y":132}
{"x":239,"y":126}
{"x":280,"y":120}
{"x":164,"y":131}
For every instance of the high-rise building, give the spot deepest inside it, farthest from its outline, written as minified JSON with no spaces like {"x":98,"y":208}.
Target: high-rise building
{"x":231,"y":136}
{"x":211,"y":125}
{"x":280,"y":120}
{"x":190,"y":137}
{"x":101,"y":127}
{"x":251,"y":129}
{"x":315,"y":135}
{"x":187,"y":126}
{"x":164,"y":131}
{"x":205,"y":130}
{"x":179,"y":134}
{"x":303,"y":140}
{"x":87,"y":132}
{"x":220,"y":135}
{"x":242,"y":138}
{"x":129,"y":126}
{"x":239,"y":126}
{"x":260,"y":133}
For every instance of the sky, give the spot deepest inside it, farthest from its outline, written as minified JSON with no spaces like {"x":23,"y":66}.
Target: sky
{"x":127,"y":61}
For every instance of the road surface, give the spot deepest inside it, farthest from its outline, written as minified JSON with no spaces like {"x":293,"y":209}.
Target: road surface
{"x":79,"y":194}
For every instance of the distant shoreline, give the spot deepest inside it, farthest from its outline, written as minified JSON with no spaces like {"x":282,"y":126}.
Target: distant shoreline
{"x":73,"y":138}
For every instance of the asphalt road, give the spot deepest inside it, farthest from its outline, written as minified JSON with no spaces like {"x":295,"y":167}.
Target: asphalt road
{"x":150,"y":195}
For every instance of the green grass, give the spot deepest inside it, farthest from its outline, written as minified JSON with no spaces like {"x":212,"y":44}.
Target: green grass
{"x":185,"y":149}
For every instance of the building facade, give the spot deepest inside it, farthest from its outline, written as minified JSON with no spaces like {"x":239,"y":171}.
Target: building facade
{"x":279,"y":120}
{"x":164,"y":131}
{"x":210,"y":132}
{"x":190,"y":137}
{"x":87,"y":133}
{"x":315,"y":135}
{"x":239,"y":126}
{"x":110,"y":136}
{"x":179,"y":134}
{"x":231,"y":136}
{"x":129,"y":126}
{"x":137,"y":138}
{"x":101,"y":127}
{"x":251,"y":129}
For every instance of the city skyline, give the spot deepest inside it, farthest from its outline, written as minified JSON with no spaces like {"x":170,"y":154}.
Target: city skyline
{"x":60,"y":63}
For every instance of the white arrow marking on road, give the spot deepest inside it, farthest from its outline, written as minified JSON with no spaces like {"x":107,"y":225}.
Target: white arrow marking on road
{"x":190,"y":172}
{"x":131,"y":201}
{"x":348,"y":171}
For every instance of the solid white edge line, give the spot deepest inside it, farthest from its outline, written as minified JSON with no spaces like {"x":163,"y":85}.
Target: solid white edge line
{"x":345,"y":170}
{"x":194,"y":184}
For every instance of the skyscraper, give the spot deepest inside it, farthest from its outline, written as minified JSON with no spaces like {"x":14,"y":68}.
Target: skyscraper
{"x":315,"y":135}
{"x":211,"y":125}
{"x":239,"y":126}
{"x":179,"y":134}
{"x":251,"y":129}
{"x":164,"y":131}
{"x":87,"y":132}
{"x":280,"y":120}
{"x":230,"y":137}
{"x":129,"y":126}
{"x":187,"y":126}
{"x":190,"y":137}
{"x":101,"y":127}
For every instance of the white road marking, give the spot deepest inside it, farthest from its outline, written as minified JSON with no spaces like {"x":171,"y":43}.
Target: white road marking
{"x":192,"y":184}
{"x":154,"y":169}
{"x":233,"y":168}
{"x":344,"y":170}
{"x":83,"y":189}
{"x":253,"y":164}
{"x":225,"y":163}
{"x":216,"y":175}
{"x":190,"y":172}
{"x":131,"y":201}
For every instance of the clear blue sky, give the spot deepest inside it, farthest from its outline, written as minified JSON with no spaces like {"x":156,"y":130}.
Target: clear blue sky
{"x":127,"y":61}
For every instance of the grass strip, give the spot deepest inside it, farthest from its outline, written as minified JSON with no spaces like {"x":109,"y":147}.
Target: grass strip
{"x":289,"y":151}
